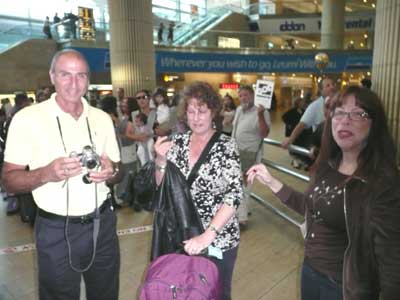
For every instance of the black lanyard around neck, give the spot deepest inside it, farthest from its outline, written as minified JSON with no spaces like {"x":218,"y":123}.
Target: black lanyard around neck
{"x":62,"y":138}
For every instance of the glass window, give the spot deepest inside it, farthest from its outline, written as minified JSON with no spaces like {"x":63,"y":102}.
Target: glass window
{"x":172,"y":4}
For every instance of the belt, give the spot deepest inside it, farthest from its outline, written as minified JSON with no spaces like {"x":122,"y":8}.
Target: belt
{"x":84,"y":219}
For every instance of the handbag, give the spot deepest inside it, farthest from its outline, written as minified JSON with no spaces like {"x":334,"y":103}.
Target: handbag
{"x":176,"y":218}
{"x":144,"y":185}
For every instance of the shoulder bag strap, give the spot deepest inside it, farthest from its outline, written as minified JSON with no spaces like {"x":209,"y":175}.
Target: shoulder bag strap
{"x":193,"y":173}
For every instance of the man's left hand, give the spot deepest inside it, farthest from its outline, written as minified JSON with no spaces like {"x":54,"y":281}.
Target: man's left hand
{"x":105,"y":172}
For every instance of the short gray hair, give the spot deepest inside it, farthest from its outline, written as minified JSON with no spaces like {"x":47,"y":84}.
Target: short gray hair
{"x":64,"y":52}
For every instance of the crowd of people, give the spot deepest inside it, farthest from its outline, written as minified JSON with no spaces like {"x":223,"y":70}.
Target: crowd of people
{"x":351,"y":208}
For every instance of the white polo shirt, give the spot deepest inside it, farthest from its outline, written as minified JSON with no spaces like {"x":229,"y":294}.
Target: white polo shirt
{"x":35,"y":140}
{"x":314,"y":114}
{"x":246,"y":130}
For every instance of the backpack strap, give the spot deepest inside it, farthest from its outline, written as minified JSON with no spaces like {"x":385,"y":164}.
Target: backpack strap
{"x":193,"y":173}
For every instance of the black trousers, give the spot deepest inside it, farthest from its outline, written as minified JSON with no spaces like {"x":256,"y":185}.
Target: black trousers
{"x":57,"y":280}
{"x":225,"y":267}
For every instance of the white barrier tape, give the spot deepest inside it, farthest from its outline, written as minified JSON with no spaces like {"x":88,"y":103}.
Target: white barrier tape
{"x":17,"y":249}
{"x":30,"y":247}
{"x":134,"y":230}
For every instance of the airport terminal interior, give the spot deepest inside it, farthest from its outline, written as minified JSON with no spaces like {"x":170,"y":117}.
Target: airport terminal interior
{"x":142,"y":44}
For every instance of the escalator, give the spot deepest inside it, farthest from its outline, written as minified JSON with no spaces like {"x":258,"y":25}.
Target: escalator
{"x":189,"y":34}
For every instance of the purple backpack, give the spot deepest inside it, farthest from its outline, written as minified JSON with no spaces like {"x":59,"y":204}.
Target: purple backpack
{"x":181,"y":277}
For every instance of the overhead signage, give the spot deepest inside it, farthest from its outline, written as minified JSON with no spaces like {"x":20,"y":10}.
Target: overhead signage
{"x":181,"y":62}
{"x":231,"y":86}
{"x":312,"y":24}
{"x":258,"y":63}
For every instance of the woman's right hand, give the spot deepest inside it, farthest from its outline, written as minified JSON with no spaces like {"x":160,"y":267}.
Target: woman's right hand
{"x":161,"y":148}
{"x":261,"y":173}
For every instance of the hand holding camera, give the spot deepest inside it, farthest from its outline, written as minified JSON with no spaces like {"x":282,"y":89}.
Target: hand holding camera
{"x":88,"y":159}
{"x":99,"y":168}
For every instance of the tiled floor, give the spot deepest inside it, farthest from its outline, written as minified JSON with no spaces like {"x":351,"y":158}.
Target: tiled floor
{"x":267,"y":268}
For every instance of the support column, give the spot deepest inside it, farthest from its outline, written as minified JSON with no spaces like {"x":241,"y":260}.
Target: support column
{"x":332,"y":28}
{"x":386,"y":63}
{"x":132,"y":52}
{"x":279,"y":7}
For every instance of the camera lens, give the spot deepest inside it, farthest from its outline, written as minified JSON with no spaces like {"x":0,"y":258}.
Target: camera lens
{"x":91,"y":164}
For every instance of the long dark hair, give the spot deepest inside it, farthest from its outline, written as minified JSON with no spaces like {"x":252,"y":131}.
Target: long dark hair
{"x":378,"y":157}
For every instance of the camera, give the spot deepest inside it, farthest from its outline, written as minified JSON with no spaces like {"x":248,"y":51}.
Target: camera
{"x":89,"y":159}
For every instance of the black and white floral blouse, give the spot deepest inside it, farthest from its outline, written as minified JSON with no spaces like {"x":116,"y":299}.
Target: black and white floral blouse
{"x":219,"y":181}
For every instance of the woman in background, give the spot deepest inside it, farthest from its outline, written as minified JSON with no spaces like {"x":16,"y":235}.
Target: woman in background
{"x":228,"y":114}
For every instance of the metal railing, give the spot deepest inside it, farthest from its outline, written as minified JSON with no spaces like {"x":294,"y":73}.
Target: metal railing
{"x":281,"y":168}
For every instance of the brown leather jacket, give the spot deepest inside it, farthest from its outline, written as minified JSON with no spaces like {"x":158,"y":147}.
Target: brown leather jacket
{"x":371,"y":267}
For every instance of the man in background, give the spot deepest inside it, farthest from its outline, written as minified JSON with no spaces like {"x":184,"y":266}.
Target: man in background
{"x":250,"y":126}
{"x":314,"y":114}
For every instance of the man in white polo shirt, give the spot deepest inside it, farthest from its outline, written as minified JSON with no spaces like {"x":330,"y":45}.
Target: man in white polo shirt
{"x":314,"y":114}
{"x":75,"y":230}
{"x":250,"y":126}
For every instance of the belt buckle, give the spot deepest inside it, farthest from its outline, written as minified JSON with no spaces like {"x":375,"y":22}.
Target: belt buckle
{"x":86,"y":219}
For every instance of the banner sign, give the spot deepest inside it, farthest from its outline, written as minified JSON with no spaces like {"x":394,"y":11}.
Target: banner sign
{"x":312,"y":24}
{"x":258,"y":63}
{"x":180,"y":62}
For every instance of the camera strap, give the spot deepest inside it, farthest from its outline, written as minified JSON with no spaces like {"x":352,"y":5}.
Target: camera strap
{"x":96,"y":219}
{"x":62,"y":138}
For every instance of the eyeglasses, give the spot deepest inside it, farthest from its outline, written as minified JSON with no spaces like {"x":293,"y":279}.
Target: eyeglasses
{"x":339,"y":115}
{"x":141,"y":97}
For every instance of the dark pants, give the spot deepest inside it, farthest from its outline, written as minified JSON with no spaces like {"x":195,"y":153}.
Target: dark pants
{"x":316,"y":286}
{"x":57,"y":280}
{"x":225,"y":267}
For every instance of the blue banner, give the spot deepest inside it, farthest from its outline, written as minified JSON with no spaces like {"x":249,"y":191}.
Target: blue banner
{"x":180,"y":62}
{"x":252,"y":63}
{"x":98,"y":58}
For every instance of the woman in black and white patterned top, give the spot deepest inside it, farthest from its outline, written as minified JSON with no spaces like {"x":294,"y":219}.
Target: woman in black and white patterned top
{"x":217,"y":189}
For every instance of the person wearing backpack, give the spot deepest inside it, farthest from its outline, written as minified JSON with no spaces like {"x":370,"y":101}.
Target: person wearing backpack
{"x":216,"y":186}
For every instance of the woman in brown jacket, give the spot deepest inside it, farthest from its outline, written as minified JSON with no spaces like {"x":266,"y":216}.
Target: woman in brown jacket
{"x":352,"y":207}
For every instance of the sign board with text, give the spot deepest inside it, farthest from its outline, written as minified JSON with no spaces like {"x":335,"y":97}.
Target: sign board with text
{"x":263,"y":93}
